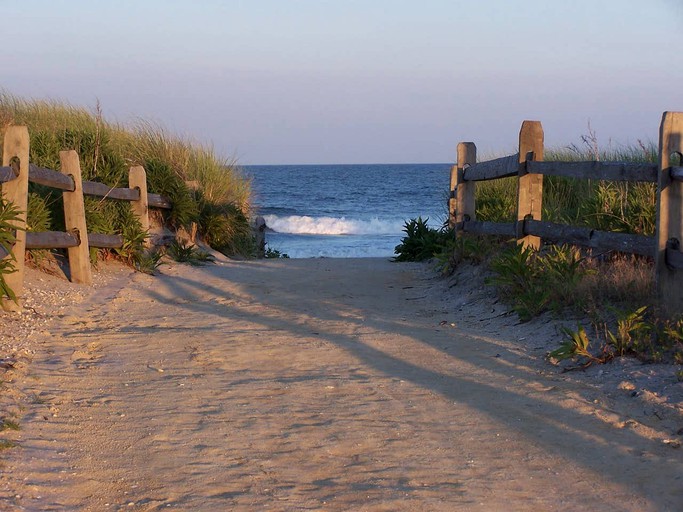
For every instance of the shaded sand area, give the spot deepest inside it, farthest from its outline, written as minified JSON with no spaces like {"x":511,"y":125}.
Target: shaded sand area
{"x":316,"y":385}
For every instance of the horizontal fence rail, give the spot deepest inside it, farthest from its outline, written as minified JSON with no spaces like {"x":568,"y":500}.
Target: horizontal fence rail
{"x":529,"y":167}
{"x":15,"y":174}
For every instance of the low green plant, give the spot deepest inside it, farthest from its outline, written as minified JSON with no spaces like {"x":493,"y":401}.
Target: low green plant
{"x":274,"y":253}
{"x":632,"y":334}
{"x":637,"y":333}
{"x":9,"y":216}
{"x":6,"y":444}
{"x":577,"y":346}
{"x":147,"y":262}
{"x":421,"y":242}
{"x":7,"y":424}
{"x":536,"y":282}
{"x":184,"y":252}
{"x":133,"y":240}
{"x":520,"y":279}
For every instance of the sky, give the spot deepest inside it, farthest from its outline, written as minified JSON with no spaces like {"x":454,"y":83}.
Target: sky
{"x":354,"y":81}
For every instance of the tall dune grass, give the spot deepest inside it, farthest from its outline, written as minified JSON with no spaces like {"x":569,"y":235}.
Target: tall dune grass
{"x":610,"y":206}
{"x":108,"y":149}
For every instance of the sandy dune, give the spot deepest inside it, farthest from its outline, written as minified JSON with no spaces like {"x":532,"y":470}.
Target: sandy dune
{"x":315,"y":385}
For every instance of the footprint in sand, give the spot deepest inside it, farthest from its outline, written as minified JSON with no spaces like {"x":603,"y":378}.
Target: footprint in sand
{"x":87,"y":356}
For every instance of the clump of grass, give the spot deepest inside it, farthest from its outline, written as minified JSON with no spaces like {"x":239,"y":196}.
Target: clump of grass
{"x":226,"y":228}
{"x":496,"y":200}
{"x":6,"y":444}
{"x":185,"y":252}
{"x":534,"y":281}
{"x":7,"y":424}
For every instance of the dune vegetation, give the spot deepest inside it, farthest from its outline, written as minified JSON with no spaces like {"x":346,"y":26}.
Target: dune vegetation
{"x":217,"y":204}
{"x":612,"y":292}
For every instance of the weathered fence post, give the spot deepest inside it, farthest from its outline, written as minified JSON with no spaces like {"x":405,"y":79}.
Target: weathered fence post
{"x":16,"y":146}
{"x":259,"y":229}
{"x":74,"y":219}
{"x":669,"y":214}
{"x":464,"y":205}
{"x":530,"y":186}
{"x":137,"y":179}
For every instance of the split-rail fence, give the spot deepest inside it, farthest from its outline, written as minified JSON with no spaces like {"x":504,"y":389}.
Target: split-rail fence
{"x":16,"y":173}
{"x":529,"y":228}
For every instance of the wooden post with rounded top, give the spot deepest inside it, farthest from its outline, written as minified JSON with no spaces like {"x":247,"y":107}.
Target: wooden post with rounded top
{"x":74,"y":219}
{"x":137,"y":179}
{"x":669,"y":214}
{"x":465,"y":205}
{"x":530,"y":186}
{"x":16,"y":147}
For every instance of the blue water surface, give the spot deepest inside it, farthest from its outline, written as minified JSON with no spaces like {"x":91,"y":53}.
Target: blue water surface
{"x":346,"y":211}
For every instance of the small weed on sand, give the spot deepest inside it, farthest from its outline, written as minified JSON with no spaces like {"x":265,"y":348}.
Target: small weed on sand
{"x":6,"y":444}
{"x":9,"y":425}
{"x":184,"y":252}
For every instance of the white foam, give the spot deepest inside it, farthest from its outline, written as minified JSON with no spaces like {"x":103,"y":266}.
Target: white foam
{"x":304,"y":225}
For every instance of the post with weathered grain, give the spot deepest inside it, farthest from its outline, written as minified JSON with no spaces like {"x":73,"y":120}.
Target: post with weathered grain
{"x":137,"y":179}
{"x":16,"y":147}
{"x":530,"y":186}
{"x":74,"y":219}
{"x":669,"y":214}
{"x":452,"y":201}
{"x":465,"y":205}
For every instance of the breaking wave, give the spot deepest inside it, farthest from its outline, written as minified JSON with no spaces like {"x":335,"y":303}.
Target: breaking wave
{"x":304,"y":225}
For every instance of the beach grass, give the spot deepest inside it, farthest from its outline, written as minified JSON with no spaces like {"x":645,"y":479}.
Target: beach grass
{"x":189,"y":173}
{"x":611,"y":289}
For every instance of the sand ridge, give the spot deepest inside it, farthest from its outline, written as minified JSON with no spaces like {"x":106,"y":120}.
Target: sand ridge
{"x":324,"y":384}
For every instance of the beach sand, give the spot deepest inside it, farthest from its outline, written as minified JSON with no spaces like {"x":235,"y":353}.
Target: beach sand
{"x":322,"y":384}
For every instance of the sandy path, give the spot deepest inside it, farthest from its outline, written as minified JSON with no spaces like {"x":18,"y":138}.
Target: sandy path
{"x":314,"y":385}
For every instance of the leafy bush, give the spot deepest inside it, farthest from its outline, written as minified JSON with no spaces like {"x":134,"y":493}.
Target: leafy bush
{"x":421,"y":242}
{"x":275,"y":254}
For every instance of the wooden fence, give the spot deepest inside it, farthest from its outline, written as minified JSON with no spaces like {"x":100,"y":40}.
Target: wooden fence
{"x":529,"y":228}
{"x":15,"y":174}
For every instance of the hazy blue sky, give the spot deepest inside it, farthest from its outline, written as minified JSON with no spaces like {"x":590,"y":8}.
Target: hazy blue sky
{"x":351,"y":81}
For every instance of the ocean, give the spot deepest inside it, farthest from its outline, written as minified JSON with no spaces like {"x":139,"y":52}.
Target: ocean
{"x":346,"y":211}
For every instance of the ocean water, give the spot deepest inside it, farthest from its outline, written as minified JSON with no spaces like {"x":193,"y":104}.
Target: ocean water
{"x":345,"y":211}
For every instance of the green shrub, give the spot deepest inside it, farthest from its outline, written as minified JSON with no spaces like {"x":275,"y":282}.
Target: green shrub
{"x":275,"y":254}
{"x":421,"y":242}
